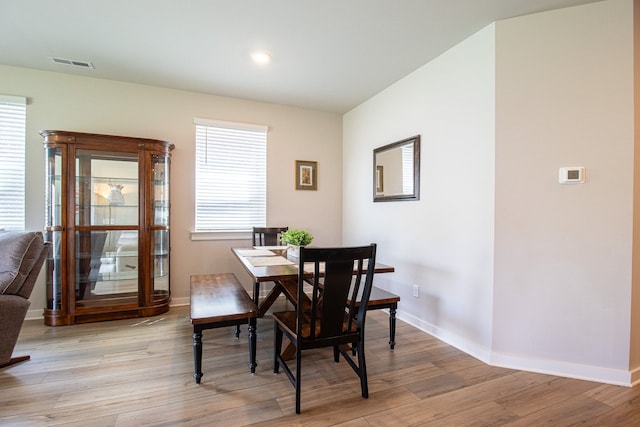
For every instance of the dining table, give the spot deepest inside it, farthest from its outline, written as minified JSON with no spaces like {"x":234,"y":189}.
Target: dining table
{"x":274,"y":264}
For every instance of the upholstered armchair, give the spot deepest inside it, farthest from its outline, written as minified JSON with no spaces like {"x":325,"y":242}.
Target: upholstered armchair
{"x":21,"y":257}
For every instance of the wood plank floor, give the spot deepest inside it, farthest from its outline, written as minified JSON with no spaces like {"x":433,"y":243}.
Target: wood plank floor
{"x":140,"y":372}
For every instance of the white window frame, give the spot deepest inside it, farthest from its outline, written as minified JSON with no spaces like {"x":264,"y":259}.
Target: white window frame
{"x":230,"y":171}
{"x":13,"y":113}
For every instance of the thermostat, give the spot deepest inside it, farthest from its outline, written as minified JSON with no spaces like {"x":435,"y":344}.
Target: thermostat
{"x":571,"y":175}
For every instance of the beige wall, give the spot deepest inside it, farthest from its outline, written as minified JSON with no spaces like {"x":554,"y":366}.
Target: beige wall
{"x":542,"y":280}
{"x":634,"y":362}
{"x":64,"y":102}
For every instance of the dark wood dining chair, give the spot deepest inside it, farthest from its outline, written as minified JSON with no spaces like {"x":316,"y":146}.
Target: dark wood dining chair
{"x":267,"y":236}
{"x":328,"y":316}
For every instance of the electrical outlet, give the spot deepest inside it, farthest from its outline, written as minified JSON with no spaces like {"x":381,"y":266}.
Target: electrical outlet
{"x":416,"y":291}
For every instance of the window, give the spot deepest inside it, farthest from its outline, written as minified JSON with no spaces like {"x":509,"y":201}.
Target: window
{"x":231,"y":169}
{"x":12,"y":147}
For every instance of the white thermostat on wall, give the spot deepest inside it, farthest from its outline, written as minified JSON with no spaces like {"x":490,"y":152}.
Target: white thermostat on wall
{"x":571,"y":175}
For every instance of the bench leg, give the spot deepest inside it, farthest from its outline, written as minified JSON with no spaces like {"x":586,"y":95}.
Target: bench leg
{"x":392,"y":325}
{"x":252,"y":345}
{"x":197,"y":354}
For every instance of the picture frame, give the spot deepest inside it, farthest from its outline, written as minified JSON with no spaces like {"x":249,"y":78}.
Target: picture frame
{"x":379,"y":179}
{"x":306,"y":175}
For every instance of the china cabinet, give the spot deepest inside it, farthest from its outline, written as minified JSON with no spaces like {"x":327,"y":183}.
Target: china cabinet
{"x":107,"y":216}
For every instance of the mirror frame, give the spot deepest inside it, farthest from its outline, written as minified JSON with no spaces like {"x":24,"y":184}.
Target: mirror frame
{"x":415,"y":140}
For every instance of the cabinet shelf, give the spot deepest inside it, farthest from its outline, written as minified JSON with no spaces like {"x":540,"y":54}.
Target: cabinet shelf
{"x":109,"y":225}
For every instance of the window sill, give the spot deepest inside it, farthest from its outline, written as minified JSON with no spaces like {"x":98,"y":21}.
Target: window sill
{"x":221,"y":235}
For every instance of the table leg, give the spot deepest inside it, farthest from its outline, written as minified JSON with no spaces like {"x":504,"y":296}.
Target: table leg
{"x":197,"y":353}
{"x":256,"y":293}
{"x":252,"y":345}
{"x":269,"y":300}
{"x":392,"y":325}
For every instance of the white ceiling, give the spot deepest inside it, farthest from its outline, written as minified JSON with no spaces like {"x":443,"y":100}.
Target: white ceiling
{"x":329,"y":55}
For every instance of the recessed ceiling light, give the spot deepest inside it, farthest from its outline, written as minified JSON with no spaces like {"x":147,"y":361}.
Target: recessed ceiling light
{"x":261,"y":57}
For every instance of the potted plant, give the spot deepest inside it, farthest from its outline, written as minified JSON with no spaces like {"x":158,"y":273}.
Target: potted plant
{"x":295,"y":238}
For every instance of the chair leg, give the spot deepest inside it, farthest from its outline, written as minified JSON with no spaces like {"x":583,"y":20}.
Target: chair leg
{"x":362,"y":365}
{"x":277,"y":345}
{"x":15,"y":360}
{"x":298,"y":375}
{"x":336,"y":354}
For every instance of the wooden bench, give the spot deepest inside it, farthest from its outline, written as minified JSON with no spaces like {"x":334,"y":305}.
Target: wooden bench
{"x":219,"y":300}
{"x":380,"y":299}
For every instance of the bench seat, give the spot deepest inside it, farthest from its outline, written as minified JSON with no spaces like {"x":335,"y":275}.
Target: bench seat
{"x":219,"y":300}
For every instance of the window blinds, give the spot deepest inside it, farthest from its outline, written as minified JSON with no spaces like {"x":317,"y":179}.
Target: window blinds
{"x":407,"y":169}
{"x":12,"y":161}
{"x":230,"y":175}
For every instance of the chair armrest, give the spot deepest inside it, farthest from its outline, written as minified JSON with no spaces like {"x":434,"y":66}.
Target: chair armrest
{"x":13,"y":310}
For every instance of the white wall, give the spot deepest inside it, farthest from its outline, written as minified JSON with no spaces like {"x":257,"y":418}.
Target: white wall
{"x":64,"y":102}
{"x":444,"y":241}
{"x":563,"y":252}
{"x":543,"y":281}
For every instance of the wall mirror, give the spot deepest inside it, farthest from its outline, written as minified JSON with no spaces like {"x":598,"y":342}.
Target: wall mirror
{"x":396,"y":171}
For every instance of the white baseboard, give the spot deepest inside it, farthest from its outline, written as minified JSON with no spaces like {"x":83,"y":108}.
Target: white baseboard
{"x":550,"y":367}
{"x":35,"y":314}
{"x":178,"y":302}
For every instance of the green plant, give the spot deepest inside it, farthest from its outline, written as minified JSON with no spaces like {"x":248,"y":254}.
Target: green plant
{"x":296,"y":237}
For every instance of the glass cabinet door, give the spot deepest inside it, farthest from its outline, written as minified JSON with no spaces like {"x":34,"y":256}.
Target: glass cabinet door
{"x":160,"y":202}
{"x":160,"y":216}
{"x":53,"y":226}
{"x":107,"y":218}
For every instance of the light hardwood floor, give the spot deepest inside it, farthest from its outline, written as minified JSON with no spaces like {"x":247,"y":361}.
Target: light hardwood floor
{"x":140,"y":372}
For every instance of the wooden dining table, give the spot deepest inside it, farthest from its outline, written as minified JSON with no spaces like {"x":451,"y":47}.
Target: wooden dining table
{"x":272,"y":264}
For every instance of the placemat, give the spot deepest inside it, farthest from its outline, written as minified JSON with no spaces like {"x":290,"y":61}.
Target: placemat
{"x":268,"y":261}
{"x":255,"y":252}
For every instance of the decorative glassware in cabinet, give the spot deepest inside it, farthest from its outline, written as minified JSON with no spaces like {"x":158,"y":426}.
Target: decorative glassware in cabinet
{"x":106,"y":188}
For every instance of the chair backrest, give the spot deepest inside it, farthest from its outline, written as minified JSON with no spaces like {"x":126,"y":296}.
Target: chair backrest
{"x":30,"y":281}
{"x":22,"y":256}
{"x":267,"y":236}
{"x":341,"y":280}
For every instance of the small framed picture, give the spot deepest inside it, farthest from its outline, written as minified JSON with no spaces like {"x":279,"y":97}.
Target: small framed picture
{"x":379,"y":179}
{"x":306,"y":175}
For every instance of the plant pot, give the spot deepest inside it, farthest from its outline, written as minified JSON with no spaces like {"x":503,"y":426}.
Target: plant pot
{"x":294,"y":251}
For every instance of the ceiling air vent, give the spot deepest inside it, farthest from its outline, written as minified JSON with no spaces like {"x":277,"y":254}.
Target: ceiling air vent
{"x":83,"y":64}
